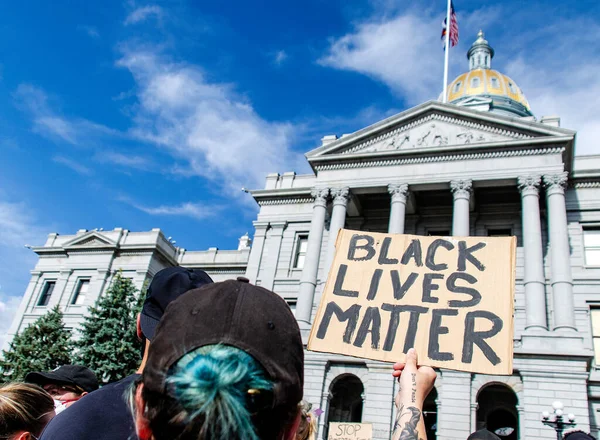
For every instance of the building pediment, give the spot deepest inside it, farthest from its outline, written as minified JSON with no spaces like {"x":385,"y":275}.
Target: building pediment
{"x":435,"y":125}
{"x":92,"y":239}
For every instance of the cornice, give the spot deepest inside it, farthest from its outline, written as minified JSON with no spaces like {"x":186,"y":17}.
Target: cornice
{"x":440,"y":157}
{"x":287,"y":201}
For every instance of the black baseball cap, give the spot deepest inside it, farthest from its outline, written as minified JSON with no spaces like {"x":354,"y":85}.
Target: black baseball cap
{"x":74,"y":375}
{"x":167,"y":285}
{"x":234,"y":313}
{"x":483,"y":434}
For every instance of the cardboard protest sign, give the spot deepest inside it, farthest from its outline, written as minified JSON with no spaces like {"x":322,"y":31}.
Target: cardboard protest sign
{"x":451,"y":298}
{"x":350,"y":431}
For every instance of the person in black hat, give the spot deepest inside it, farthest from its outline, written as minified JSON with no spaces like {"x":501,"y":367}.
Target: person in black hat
{"x":66,"y":384}
{"x":483,"y":434}
{"x":578,"y":435}
{"x":105,"y":414}
{"x":226,"y":362}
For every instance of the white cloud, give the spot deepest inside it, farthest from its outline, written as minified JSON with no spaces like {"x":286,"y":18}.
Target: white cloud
{"x":400,"y":52}
{"x":142,"y":13}
{"x":206,"y":124}
{"x":125,"y":160}
{"x":78,"y":167}
{"x":279,"y":57}
{"x":198,"y":211}
{"x":8,"y":308}
{"x":91,"y":31}
{"x":50,"y":123}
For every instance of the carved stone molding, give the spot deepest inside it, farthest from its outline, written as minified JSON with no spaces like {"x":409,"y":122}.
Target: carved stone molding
{"x":461,"y":189}
{"x":398,"y":191}
{"x":439,"y":158}
{"x":340,"y":195}
{"x":556,"y":183}
{"x":320,"y":195}
{"x":288,"y":201}
{"x":529,"y":185}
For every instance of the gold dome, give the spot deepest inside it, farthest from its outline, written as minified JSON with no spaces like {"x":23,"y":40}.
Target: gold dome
{"x":485,"y":82}
{"x":484,"y":88}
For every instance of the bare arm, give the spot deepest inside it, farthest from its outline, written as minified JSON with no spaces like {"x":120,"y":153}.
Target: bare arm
{"x":415,"y":383}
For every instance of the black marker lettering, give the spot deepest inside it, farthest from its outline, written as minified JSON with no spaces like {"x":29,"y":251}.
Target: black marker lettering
{"x":429,"y":259}
{"x":338,"y":288}
{"x":435,"y":330}
{"x":350,"y":315}
{"x":368,"y":247}
{"x":464,"y":254}
{"x":411,"y":333}
{"x":374,"y":284}
{"x":477,"y":338}
{"x":413,"y":251}
{"x":428,"y":286}
{"x":452,"y":287}
{"x":371,"y":323}
{"x":399,"y":288}
{"x":383,"y":253}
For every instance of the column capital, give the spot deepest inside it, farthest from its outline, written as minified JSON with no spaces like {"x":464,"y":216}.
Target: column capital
{"x":529,"y":185}
{"x":320,"y":195}
{"x":461,"y":189}
{"x":556,"y":183}
{"x":398,"y":191}
{"x":340,"y":195}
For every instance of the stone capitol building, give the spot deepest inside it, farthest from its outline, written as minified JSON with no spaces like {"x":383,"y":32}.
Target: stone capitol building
{"x":482,"y":165}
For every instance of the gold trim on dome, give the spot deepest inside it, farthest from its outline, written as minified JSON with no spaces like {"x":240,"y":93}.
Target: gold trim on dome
{"x":507,"y":87}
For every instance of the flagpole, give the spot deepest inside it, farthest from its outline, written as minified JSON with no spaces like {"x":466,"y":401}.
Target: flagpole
{"x":445,"y":100}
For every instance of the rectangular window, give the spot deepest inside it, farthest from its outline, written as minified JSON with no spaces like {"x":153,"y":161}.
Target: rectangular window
{"x":591,"y":246}
{"x":292,"y":304}
{"x":46,"y":293}
{"x":595,"y":315}
{"x":499,"y":232}
{"x":81,"y":292}
{"x":301,"y":245}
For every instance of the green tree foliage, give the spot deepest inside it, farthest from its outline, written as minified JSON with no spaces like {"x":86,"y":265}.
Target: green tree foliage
{"x":109,"y":343}
{"x":42,"y":346}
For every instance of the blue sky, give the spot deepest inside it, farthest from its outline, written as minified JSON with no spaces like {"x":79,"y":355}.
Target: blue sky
{"x":143,"y":115}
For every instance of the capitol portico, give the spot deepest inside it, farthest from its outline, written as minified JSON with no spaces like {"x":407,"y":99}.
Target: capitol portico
{"x":481,"y":165}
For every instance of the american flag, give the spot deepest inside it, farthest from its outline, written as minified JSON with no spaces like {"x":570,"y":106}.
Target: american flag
{"x":453,"y":28}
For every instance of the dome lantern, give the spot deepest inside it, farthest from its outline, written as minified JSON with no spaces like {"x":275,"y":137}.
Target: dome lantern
{"x":480,"y":54}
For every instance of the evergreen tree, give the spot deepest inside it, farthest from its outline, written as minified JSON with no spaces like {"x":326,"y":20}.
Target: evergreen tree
{"x":109,"y":343}
{"x":42,"y":346}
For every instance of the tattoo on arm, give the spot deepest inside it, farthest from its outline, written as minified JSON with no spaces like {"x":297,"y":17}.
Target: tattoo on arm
{"x":409,"y":431}
{"x":414,"y":387}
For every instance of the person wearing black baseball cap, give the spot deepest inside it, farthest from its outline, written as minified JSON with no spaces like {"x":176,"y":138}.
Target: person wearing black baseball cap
{"x":104,"y":414}
{"x":226,"y":362}
{"x":66,"y":384}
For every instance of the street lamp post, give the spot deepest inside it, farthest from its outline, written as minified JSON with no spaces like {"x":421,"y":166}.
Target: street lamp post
{"x":559,"y":423}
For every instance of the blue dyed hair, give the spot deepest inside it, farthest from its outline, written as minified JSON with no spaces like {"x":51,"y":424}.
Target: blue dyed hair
{"x":209,"y":398}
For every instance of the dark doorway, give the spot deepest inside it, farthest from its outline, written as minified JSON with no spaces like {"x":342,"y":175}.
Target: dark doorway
{"x":346,"y":402}
{"x":497,"y":411}
{"x":430,"y":414}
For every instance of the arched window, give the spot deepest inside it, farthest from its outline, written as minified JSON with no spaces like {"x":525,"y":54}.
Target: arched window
{"x":430,"y":414}
{"x":346,"y":399}
{"x":456,"y":87}
{"x":512,"y":87}
{"x":475,"y":82}
{"x":495,"y":83}
{"x":497,"y":411}
{"x":486,"y":61}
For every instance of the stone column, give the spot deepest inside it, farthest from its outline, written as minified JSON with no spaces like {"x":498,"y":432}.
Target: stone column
{"x":260,"y":231}
{"x":560,"y":252}
{"x":340,"y":198}
{"x":533,"y":278}
{"x":59,"y":288}
{"x":269,"y":264}
{"x":25,"y":306}
{"x":399,"y":192}
{"x":308,"y":279}
{"x":461,"y":190}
